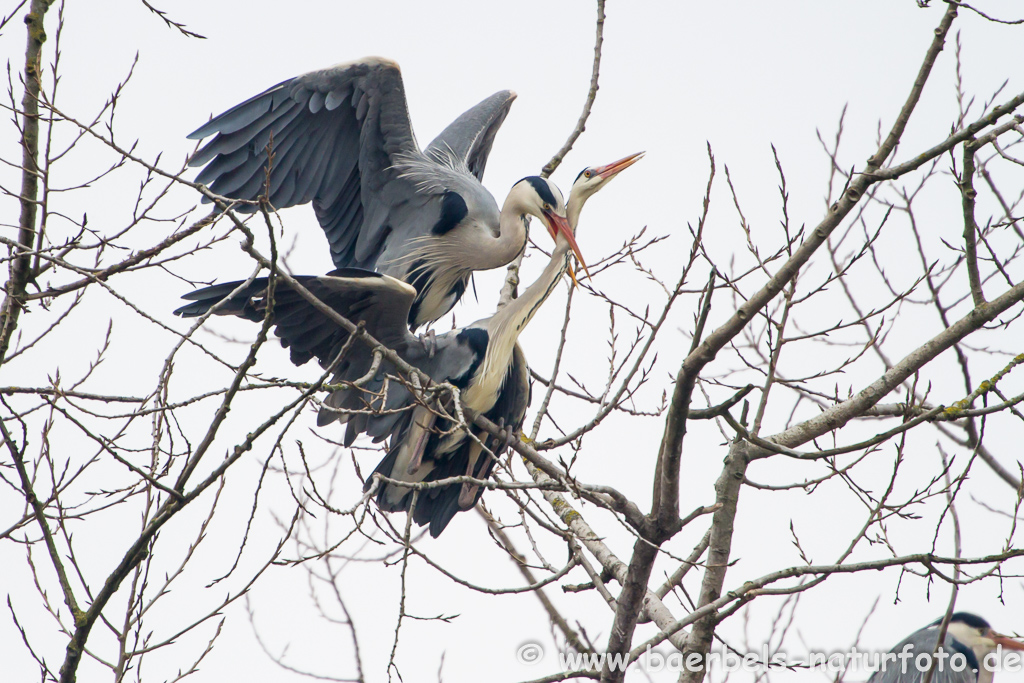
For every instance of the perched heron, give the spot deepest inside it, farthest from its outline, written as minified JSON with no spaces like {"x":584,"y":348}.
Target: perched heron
{"x":483,"y":360}
{"x":965,"y":656}
{"x":341,"y":138}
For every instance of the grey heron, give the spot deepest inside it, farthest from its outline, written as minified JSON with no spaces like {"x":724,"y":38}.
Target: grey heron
{"x":341,"y":138}
{"x":965,"y":657}
{"x":483,"y":360}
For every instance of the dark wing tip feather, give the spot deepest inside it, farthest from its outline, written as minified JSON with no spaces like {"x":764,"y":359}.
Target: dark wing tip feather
{"x":241,"y":114}
{"x":351,"y":272}
{"x":444,"y":514}
{"x":203,"y":131}
{"x":193,"y":310}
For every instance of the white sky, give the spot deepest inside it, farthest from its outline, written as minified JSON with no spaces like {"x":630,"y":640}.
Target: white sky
{"x":675,"y":76}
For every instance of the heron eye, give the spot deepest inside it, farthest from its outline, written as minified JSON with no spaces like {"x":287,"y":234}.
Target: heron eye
{"x":587,"y":173}
{"x":547,"y":207}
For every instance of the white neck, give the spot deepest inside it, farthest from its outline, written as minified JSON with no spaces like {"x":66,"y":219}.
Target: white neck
{"x":980,"y":645}
{"x":480,"y":247}
{"x":505,"y":326}
{"x":511,"y":238}
{"x":574,"y":206}
{"x":513,"y":318}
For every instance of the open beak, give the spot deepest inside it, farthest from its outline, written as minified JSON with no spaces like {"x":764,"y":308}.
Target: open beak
{"x":560,"y":224}
{"x":612,"y":169}
{"x":1007,"y":642}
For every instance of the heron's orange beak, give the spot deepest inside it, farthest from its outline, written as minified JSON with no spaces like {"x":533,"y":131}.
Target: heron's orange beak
{"x":560,"y":224}
{"x":616,"y":167}
{"x":1007,"y":642}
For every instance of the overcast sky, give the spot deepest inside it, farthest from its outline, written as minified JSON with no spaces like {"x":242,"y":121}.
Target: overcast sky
{"x":676,"y":76}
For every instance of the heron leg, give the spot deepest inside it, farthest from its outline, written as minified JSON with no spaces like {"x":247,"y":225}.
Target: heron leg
{"x":467,"y":496}
{"x":430,"y":342}
{"x":417,"y":454}
{"x":422,"y":423}
{"x":505,"y":443}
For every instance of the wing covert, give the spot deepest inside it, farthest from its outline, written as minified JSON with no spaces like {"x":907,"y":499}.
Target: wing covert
{"x":471,"y":136}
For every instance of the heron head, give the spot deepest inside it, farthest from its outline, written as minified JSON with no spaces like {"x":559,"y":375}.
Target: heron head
{"x":978,"y":635}
{"x":593,"y":178}
{"x":541,"y":198}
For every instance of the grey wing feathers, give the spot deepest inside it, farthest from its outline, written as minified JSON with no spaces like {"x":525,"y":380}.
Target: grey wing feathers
{"x":376,"y":300}
{"x":337,"y":134}
{"x":470,"y":136}
{"x":924,"y":641}
{"x":451,"y":360}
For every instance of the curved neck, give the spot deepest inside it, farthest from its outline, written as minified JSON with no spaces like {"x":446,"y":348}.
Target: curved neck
{"x":480,"y":246}
{"x":511,"y":238}
{"x":512,"y":223}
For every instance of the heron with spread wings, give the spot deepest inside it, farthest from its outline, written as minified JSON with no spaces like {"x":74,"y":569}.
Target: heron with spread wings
{"x":483,"y":360}
{"x":341,"y":138}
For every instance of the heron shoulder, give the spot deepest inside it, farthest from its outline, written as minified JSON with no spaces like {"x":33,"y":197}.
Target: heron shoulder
{"x":368,"y":279}
{"x":474,"y":338}
{"x":453,"y":211}
{"x":375,"y":60}
{"x":353,"y":67}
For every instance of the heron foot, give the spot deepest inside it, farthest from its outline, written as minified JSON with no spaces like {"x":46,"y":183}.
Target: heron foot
{"x":429,"y":340}
{"x":510,"y":437}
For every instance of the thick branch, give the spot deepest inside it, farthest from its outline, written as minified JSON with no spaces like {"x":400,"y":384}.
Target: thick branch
{"x":30,"y":172}
{"x":731,"y":478}
{"x":838,"y":415}
{"x":969,"y":196}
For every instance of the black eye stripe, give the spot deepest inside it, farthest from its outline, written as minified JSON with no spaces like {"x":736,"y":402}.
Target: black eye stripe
{"x":972,"y":620}
{"x":541,"y":187}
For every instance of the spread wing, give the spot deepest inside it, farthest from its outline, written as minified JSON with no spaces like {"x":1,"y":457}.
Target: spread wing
{"x":380,"y":302}
{"x":469,"y":137}
{"x":337,"y":136}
